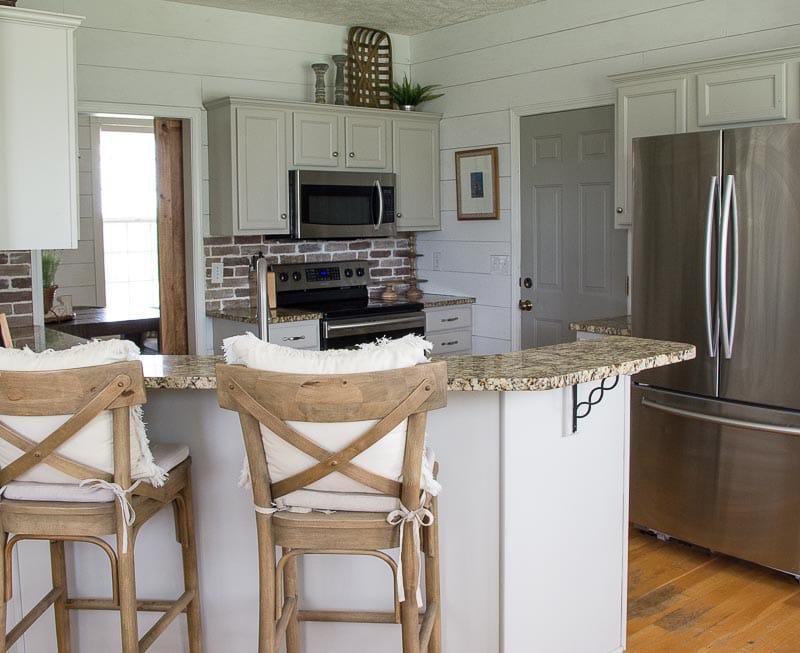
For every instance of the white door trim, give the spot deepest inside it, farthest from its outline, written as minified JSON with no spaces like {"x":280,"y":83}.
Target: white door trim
{"x":198,"y":322}
{"x":515,"y":114}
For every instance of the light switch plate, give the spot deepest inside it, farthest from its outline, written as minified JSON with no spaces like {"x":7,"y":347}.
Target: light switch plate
{"x":216,"y":272}
{"x":499,"y":264}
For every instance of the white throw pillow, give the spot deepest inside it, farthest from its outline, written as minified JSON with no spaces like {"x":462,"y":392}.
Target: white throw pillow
{"x":384,"y":458}
{"x":94,"y":443}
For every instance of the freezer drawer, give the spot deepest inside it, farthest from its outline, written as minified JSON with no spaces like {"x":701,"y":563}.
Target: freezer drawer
{"x":731,"y":489}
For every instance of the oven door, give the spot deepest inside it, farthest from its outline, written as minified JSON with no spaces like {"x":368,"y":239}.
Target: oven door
{"x":349,"y":332}
{"x":327,"y":204}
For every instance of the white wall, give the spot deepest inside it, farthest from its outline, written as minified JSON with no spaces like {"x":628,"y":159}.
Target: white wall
{"x":556,"y":51}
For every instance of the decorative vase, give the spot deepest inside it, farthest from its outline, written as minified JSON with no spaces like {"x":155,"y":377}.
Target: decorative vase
{"x":48,"y":294}
{"x":339,"y":61}
{"x":319,"y":87}
{"x":408,"y":107}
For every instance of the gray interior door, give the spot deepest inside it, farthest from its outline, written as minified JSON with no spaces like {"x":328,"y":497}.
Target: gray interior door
{"x":765,"y":356}
{"x":575,"y":259}
{"x":674,"y":180}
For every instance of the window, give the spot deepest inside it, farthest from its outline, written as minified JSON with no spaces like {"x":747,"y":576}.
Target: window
{"x":128,"y":201}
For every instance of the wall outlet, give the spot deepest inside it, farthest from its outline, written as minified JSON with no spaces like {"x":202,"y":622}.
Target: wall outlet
{"x":436,"y":263}
{"x":217,"y":270}
{"x":499,"y":264}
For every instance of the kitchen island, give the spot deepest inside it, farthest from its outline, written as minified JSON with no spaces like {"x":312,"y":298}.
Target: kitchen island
{"x":533,"y":531}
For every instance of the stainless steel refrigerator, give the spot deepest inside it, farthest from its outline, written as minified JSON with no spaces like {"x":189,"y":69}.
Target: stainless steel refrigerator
{"x":715,"y":442}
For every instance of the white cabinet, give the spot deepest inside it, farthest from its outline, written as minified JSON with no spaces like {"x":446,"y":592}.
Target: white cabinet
{"x":247,"y":168}
{"x":300,"y":335}
{"x":303,"y":334}
{"x":38,"y":138}
{"x":416,"y":164}
{"x":643,"y":109}
{"x":449,"y":328}
{"x":742,"y":94}
{"x":335,"y":140}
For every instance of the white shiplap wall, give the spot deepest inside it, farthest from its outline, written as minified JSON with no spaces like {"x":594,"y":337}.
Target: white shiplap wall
{"x":554,"y":52}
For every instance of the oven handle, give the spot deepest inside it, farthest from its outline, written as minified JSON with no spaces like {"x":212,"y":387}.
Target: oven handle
{"x":380,"y":205}
{"x":353,"y":327}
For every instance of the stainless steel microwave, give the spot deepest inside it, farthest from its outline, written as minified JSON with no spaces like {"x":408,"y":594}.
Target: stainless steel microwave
{"x":333,"y":204}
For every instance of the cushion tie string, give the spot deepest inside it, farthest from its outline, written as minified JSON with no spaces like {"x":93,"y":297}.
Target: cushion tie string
{"x":272,"y":510}
{"x":419,"y":517}
{"x":121,"y":495}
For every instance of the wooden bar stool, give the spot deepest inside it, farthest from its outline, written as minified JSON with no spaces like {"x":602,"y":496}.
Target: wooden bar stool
{"x":64,"y":512}
{"x":5,"y":332}
{"x":390,"y":399}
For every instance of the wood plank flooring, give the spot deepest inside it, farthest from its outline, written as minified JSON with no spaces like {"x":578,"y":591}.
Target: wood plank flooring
{"x":684,"y":599}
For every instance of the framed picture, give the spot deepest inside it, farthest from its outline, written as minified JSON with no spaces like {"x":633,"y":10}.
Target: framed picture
{"x":477,"y":195}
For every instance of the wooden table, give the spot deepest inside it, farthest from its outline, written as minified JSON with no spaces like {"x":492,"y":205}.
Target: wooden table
{"x":94,"y":322}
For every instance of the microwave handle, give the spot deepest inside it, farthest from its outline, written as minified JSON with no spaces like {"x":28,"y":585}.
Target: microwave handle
{"x":380,"y":204}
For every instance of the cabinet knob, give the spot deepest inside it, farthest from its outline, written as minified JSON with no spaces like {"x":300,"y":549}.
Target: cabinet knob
{"x":619,"y":209}
{"x":352,"y":155}
{"x":335,"y":154}
{"x":283,"y":216}
{"x":399,"y":215}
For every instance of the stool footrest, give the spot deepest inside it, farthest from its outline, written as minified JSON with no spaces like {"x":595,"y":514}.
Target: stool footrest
{"x":428,"y":622}
{"x":35,"y":612}
{"x":348,"y":616}
{"x":143,"y":605}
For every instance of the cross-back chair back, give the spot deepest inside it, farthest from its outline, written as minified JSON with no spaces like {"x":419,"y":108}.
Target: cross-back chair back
{"x":5,"y":332}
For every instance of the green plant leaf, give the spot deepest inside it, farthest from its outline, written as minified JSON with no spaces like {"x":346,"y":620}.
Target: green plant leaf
{"x":413,"y":94}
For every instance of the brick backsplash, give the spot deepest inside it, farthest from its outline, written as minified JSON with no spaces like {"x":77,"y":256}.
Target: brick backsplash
{"x":16,"y":295}
{"x":387,"y":259}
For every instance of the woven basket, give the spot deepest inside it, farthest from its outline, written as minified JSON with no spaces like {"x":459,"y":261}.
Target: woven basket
{"x":369,"y":68}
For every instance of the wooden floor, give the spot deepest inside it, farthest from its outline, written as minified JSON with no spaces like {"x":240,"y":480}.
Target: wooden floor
{"x":685,"y":599}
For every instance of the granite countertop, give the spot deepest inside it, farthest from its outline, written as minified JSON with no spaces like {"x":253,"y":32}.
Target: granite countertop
{"x":532,"y":369}
{"x":609,"y":326}
{"x":432,"y":300}
{"x":276,"y":315}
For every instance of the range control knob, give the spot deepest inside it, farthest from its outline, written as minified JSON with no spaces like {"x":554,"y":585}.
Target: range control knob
{"x":297,"y":276}
{"x":283,"y":277}
{"x":360,"y":272}
{"x":348,"y":272}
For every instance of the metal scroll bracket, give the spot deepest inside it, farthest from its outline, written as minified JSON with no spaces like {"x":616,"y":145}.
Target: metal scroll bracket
{"x":581,"y":409}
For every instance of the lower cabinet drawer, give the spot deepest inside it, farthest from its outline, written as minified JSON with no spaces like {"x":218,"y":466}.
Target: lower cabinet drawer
{"x":458,"y":341}
{"x":300,"y":335}
{"x":448,"y":318}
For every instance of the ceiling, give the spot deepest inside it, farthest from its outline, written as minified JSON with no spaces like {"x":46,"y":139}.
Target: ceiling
{"x":407,"y":17}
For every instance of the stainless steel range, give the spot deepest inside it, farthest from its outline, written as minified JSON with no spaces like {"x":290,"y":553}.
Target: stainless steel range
{"x":338,"y":290}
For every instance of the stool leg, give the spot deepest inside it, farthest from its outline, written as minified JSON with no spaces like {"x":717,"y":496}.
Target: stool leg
{"x":266,"y":590}
{"x":190,"y":578}
{"x":127,"y":595}
{"x":409,"y":612}
{"x":290,"y":589}
{"x":432,"y":583}
{"x":58,"y":566}
{"x":3,"y":604}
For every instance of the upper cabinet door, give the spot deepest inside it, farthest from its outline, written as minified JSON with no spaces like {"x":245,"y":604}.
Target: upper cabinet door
{"x":416,"y":164}
{"x":367,"y":143}
{"x":316,"y":139}
{"x":261,"y":171}
{"x":742,"y":94}
{"x":38,"y":145}
{"x":647,"y":109}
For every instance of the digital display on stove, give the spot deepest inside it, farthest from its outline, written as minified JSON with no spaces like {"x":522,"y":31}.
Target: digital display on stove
{"x":323,"y":274}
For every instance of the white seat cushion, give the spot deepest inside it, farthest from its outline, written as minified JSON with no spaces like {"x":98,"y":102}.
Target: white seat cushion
{"x":350,"y":501}
{"x":167,"y":456}
{"x":93,"y":444}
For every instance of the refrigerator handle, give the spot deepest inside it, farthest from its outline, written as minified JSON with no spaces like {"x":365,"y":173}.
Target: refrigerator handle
{"x":735,"y":270}
{"x":727,"y":421}
{"x":724,"y":314}
{"x":712,"y":328}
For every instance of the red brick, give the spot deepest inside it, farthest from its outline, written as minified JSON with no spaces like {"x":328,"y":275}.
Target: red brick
{"x":247,"y":240}
{"x":15,"y":270}
{"x":21,"y":282}
{"x":13,"y":296}
{"x":20,"y":257}
{"x":359,"y":245}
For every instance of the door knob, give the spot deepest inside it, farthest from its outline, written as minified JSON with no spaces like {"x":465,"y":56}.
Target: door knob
{"x":525,"y":305}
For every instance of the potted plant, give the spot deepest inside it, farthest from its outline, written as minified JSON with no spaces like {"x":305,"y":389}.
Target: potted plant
{"x":50,"y":261}
{"x":407,"y":95}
